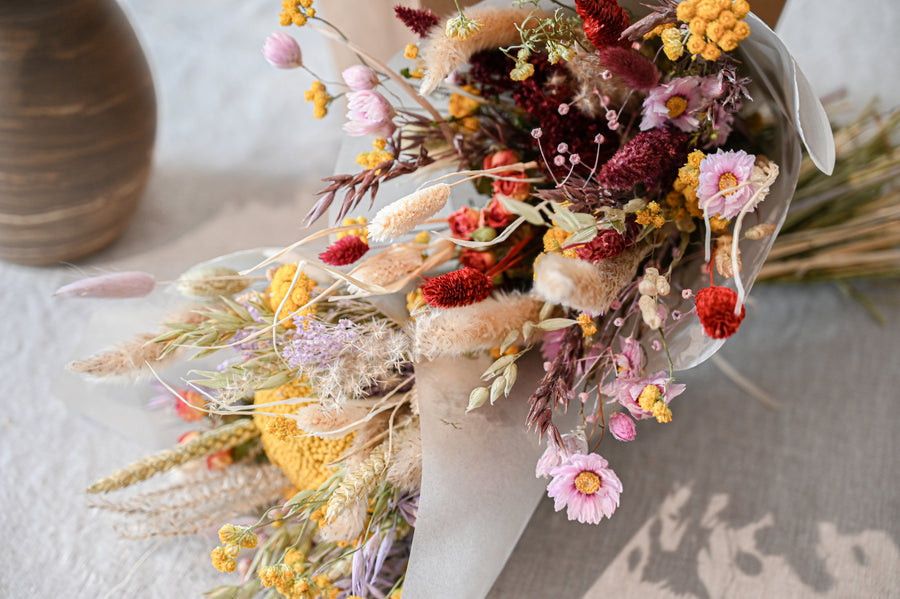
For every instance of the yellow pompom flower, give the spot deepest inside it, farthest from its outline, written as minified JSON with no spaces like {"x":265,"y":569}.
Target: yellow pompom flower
{"x":648,"y":397}
{"x":297,"y":295}
{"x":223,"y":559}
{"x":319,"y":97}
{"x":715,"y":26}
{"x":461,"y":106}
{"x":711,"y":52}
{"x":303,"y":458}
{"x":662,"y":412}
{"x":522,"y":71}
{"x":361,"y":232}
{"x":411,"y":51}
{"x":672,"y":45}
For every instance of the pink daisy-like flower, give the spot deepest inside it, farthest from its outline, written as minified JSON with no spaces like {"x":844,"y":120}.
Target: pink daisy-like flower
{"x":587,"y":486}
{"x":721,"y":171}
{"x":573,"y":443}
{"x":676,"y":102}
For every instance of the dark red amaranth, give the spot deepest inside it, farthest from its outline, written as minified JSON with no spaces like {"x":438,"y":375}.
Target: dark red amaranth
{"x":607,"y":244}
{"x":418,"y":20}
{"x":652,"y":158}
{"x":458,"y":288}
{"x":715,"y":308}
{"x":346,"y":250}
{"x":634,"y":69}
{"x":604,"y":22}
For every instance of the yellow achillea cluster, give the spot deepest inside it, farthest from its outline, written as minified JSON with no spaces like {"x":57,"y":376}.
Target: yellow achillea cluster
{"x":299,"y":294}
{"x":415,"y":301}
{"x":296,"y":12}
{"x":411,"y":51}
{"x":462,"y":27}
{"x":651,"y":216}
{"x":288,"y":580}
{"x":651,"y":401}
{"x":554,"y":240}
{"x":671,"y":36}
{"x":522,"y":69}
{"x":378,"y":155}
{"x":463,"y":107}
{"x":362,"y":232}
{"x":303,"y":458}
{"x":682,"y":200}
{"x":715,"y":25}
{"x":233,"y":538}
{"x":319,"y":97}
{"x":587,"y":324}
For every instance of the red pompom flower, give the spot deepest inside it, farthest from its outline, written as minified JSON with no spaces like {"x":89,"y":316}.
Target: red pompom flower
{"x":715,"y":307}
{"x":344,"y":251}
{"x":604,"y":22}
{"x":458,"y":288}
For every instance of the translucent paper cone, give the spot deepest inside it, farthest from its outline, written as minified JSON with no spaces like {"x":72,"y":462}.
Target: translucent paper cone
{"x":478,"y":483}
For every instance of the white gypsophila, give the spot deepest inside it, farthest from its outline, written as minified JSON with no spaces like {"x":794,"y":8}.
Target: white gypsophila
{"x":402,"y":216}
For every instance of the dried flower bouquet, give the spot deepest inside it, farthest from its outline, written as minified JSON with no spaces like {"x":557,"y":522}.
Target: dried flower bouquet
{"x":625,"y":203}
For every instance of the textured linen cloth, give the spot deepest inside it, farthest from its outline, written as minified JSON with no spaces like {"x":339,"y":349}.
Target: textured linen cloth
{"x":732,"y":499}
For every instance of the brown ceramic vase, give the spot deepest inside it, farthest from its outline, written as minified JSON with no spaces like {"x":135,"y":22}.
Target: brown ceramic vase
{"x":77,"y":125}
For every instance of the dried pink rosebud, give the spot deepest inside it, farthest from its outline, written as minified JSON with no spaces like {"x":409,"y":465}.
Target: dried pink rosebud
{"x":115,"y":285}
{"x":622,"y":427}
{"x":359,"y":77}
{"x":282,"y":51}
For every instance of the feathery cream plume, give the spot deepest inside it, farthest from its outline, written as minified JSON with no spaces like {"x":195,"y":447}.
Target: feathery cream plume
{"x":360,"y":483}
{"x":582,"y":285}
{"x":131,"y":357}
{"x":405,"y":468}
{"x":723,"y":258}
{"x":205,"y":499}
{"x":400,"y":217}
{"x":443,"y":54}
{"x":388,"y":266}
{"x":321,"y":420}
{"x":346,"y":526}
{"x":476,"y":327}
{"x":224,"y":437}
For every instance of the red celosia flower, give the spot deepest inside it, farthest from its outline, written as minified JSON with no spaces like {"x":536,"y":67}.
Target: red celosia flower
{"x":419,"y":21}
{"x":652,"y":158}
{"x":604,"y":22}
{"x":715,"y":307}
{"x":607,"y":244}
{"x":634,"y":69}
{"x":458,"y":288}
{"x":346,"y":250}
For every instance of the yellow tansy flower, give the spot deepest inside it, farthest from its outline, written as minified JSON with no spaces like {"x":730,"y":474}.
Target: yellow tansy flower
{"x":281,"y":287}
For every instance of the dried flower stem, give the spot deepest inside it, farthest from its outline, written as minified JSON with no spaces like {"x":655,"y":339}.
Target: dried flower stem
{"x":224,"y":437}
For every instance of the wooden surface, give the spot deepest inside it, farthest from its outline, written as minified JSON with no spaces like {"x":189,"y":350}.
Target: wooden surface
{"x":77,"y":125}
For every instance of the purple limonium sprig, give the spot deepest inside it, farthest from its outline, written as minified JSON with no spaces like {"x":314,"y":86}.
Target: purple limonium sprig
{"x":316,"y":342}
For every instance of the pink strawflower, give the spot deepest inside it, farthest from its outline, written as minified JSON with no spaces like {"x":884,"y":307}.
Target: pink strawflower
{"x":359,"y":77}
{"x":630,"y":363}
{"x":587,"y":486}
{"x":573,"y":443}
{"x":720,"y":171}
{"x":369,"y":113}
{"x":282,"y":51}
{"x":622,"y":427}
{"x":636,"y":71}
{"x":679,"y":102}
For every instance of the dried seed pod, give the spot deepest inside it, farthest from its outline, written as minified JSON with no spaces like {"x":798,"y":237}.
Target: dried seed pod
{"x":211,"y":282}
{"x":724,"y":263}
{"x":760,"y":231}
